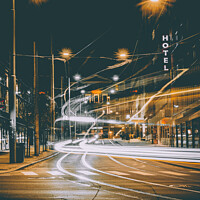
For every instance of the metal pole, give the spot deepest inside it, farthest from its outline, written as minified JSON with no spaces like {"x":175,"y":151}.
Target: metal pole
{"x":176,"y":135}
{"x":181,"y":135}
{"x":70,"y":133}
{"x":52,"y":101}
{"x":37,"y":145}
{"x":186,"y":131}
{"x":62,"y":124}
{"x":12,"y":99}
{"x":80,"y":123}
{"x":75,"y":128}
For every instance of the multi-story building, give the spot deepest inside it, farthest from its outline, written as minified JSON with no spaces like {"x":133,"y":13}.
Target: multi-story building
{"x":24,"y":112}
{"x":168,"y":116}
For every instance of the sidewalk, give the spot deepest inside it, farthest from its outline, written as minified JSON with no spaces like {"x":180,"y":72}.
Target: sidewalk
{"x":6,"y":167}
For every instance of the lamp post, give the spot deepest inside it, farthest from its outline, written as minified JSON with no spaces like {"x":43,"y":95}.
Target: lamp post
{"x":12,"y":98}
{"x":52,"y":110}
{"x":66,"y":54}
{"x":12,"y":91}
{"x":62,"y":123}
{"x":36,"y":108}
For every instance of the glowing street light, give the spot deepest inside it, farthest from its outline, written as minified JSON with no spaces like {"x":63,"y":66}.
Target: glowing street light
{"x":66,"y":53}
{"x":154,"y":7}
{"x":122,"y":54}
{"x":128,"y":116}
{"x":77,"y":77}
{"x":82,"y":91}
{"x":115,"y":78}
{"x":112,"y":91}
{"x":38,"y":2}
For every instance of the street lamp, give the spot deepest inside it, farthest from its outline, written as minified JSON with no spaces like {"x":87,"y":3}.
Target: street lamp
{"x":122,"y":54}
{"x":112,"y":91}
{"x":115,"y":78}
{"x":38,"y":2}
{"x":128,"y":116}
{"x":82,"y":91}
{"x":154,"y":7}
{"x":77,"y":77}
{"x":66,"y":53}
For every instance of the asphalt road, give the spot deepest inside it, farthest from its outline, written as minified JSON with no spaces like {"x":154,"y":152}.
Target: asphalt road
{"x":80,"y":175}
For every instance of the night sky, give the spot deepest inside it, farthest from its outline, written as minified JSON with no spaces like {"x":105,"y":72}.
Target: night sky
{"x":75,"y":24}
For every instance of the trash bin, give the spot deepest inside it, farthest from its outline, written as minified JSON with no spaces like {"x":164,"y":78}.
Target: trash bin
{"x":20,"y":152}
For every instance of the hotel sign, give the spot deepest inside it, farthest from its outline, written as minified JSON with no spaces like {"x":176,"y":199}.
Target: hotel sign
{"x":165,"y":46}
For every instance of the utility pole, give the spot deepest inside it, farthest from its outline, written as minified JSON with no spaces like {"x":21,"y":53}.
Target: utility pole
{"x":75,"y":128}
{"x":171,"y":129}
{"x":36,"y":109}
{"x":70,"y":132}
{"x":52,"y":102}
{"x":80,"y":123}
{"x":12,"y":99}
{"x":62,"y":123}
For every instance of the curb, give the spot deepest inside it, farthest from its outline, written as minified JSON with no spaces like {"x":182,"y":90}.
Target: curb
{"x":29,"y":164}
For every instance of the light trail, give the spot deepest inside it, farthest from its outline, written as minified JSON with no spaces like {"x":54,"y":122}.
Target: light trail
{"x":145,"y":98}
{"x":60,"y":168}
{"x":160,"y":91}
{"x":74,"y":103}
{"x":90,"y":120}
{"x":83,"y":159}
{"x":142,"y":152}
{"x":120,"y":163}
{"x":94,"y":124}
{"x":150,"y":153}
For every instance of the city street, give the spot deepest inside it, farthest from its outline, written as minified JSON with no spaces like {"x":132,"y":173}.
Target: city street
{"x":85,"y":175}
{"x":99,"y":100}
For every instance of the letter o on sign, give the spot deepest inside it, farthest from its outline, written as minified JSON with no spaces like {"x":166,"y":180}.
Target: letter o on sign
{"x":165,"y":45}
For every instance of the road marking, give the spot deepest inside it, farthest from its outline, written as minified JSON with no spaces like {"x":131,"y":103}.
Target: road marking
{"x":87,"y":172}
{"x":174,"y":173}
{"x":118,"y":173}
{"x":142,"y":173}
{"x":55,"y":173}
{"x":29,"y":173}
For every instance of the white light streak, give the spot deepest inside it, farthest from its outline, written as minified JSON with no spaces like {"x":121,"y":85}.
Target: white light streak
{"x":160,"y":91}
{"x":58,"y":165}
{"x":119,"y":175}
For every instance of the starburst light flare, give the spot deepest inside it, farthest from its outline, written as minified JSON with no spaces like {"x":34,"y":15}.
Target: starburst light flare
{"x":155,"y":7}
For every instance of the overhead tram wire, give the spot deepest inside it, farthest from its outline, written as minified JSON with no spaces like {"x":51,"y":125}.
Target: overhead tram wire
{"x":137,"y":55}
